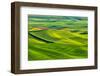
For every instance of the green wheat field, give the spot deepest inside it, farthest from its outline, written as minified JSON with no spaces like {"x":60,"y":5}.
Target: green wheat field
{"x":57,"y":37}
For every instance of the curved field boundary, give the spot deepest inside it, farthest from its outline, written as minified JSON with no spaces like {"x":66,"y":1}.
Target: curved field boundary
{"x":39,"y":38}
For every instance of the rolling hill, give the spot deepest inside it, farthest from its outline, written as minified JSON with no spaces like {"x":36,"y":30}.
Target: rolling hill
{"x":57,"y":37}
{"x":57,"y":44}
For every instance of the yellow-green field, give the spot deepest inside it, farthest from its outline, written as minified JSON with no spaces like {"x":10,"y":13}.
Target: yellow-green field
{"x":57,"y":37}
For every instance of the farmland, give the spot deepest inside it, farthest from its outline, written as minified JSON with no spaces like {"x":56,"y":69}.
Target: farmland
{"x":57,"y":37}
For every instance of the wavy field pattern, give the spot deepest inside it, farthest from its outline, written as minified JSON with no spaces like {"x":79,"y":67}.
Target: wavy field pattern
{"x":57,"y":37}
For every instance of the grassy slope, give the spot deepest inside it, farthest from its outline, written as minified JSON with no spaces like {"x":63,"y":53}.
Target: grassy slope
{"x":66,"y":45}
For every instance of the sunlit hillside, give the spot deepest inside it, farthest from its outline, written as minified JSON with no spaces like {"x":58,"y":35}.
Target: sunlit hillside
{"x":57,"y":37}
